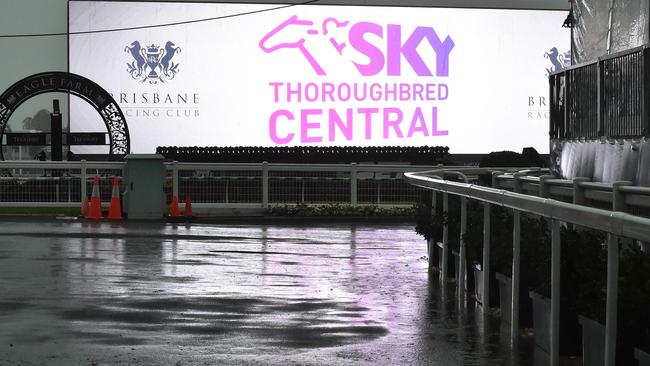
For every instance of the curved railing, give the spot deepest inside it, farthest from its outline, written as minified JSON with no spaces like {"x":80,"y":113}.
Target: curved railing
{"x":533,"y":195}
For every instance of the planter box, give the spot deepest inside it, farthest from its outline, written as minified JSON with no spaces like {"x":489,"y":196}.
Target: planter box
{"x":593,"y":342}
{"x":439,"y":249}
{"x":478,"y":283}
{"x":642,"y":357}
{"x":505,"y":297}
{"x":542,"y":327}
{"x":456,"y":264}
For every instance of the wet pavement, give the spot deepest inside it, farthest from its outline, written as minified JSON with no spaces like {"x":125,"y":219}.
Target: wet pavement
{"x":74,"y":293}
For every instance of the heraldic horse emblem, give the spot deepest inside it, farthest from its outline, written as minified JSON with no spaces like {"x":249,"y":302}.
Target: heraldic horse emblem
{"x":152,"y":63}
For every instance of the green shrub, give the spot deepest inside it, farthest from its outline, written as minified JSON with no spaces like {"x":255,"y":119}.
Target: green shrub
{"x":633,"y":304}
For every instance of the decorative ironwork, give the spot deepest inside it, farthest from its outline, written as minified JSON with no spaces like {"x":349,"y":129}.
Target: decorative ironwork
{"x":119,"y":135}
{"x":74,"y":84}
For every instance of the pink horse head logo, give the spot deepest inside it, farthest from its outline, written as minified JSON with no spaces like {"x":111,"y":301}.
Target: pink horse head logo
{"x":292,"y":33}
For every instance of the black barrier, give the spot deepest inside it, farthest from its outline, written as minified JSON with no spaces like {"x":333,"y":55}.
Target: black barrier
{"x":606,"y":98}
{"x":418,"y":155}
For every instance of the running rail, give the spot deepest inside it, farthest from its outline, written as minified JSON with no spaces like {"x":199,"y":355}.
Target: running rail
{"x":615,"y":223}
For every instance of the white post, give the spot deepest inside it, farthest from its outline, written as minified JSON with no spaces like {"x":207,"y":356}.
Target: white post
{"x":175,"y":178}
{"x":265,"y":184}
{"x":555,"y":293}
{"x":462,"y":281}
{"x":611,"y":309}
{"x":612,"y":300}
{"x":353,"y":184}
{"x":516,"y":249}
{"x":445,"y":236}
{"x":432,"y":242}
{"x":84,"y":192}
{"x":516,"y":241}
{"x":579,"y":190}
{"x":543,"y":186}
{"x":486,"y":258}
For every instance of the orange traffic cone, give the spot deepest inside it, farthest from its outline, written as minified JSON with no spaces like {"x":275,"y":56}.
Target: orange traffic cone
{"x":188,"y":207}
{"x":95,"y":212}
{"x":115,"y":209}
{"x":174,"y":211}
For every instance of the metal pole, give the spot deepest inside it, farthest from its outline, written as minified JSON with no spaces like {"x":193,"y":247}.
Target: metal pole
{"x":265,"y":184}
{"x":353,"y":185}
{"x":84,"y":193}
{"x":516,"y":241}
{"x":516,"y":249}
{"x":579,"y":190}
{"x":612,"y":300}
{"x":486,"y":257}
{"x":555,"y":293}
{"x":175,"y":178}
{"x":543,"y":186}
{"x":432,"y":241}
{"x":462,"y":281}
{"x":445,"y":236}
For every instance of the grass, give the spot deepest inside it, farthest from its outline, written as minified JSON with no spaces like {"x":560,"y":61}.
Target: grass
{"x":68,"y":211}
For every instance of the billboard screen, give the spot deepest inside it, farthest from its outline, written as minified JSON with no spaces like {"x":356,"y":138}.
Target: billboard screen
{"x":219,"y":74}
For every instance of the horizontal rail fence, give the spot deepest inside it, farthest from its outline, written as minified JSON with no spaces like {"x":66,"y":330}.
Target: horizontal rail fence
{"x":605,"y":98}
{"x":215,"y":185}
{"x":54,"y":183}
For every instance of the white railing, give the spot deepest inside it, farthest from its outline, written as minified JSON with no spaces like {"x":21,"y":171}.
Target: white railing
{"x":545,"y":196}
{"x":241,"y":185}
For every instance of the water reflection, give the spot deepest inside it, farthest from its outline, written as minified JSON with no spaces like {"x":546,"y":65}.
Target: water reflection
{"x":331,"y":294}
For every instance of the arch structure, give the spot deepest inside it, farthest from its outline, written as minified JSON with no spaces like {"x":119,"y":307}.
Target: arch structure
{"x":64,"y":82}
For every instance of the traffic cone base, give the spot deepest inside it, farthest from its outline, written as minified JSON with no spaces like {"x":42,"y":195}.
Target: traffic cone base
{"x":115,"y":209}
{"x":174,"y":211}
{"x":188,"y":208}
{"x":95,"y":212}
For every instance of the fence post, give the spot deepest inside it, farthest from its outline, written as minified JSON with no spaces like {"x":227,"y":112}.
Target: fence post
{"x":600,"y":70}
{"x":175,"y":178}
{"x":265,"y":184}
{"x":84,"y":189}
{"x":579,"y":190}
{"x":611,"y":309}
{"x":555,"y":293}
{"x":516,"y":245}
{"x":543,"y":186}
{"x":462,"y":281}
{"x":618,"y":197}
{"x":495,"y":181}
{"x":445,"y":235}
{"x":486,"y":258}
{"x":645,"y":88}
{"x":353,"y":184}
{"x":431,"y":245}
{"x":612,"y":300}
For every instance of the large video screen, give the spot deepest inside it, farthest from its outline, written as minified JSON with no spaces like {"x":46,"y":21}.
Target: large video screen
{"x":216,"y":74}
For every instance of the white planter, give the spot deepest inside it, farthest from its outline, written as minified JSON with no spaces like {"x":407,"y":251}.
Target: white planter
{"x":456,"y":264}
{"x":593,"y":342}
{"x":642,"y":357}
{"x":505,"y":297}
{"x":541,"y":325}
{"x":478,"y":283}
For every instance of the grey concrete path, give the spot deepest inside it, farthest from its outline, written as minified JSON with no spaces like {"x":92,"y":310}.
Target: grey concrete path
{"x":73,"y":293}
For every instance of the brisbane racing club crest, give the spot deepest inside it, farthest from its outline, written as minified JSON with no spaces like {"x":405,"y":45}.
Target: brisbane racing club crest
{"x":559,"y":60}
{"x":152,"y":63}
